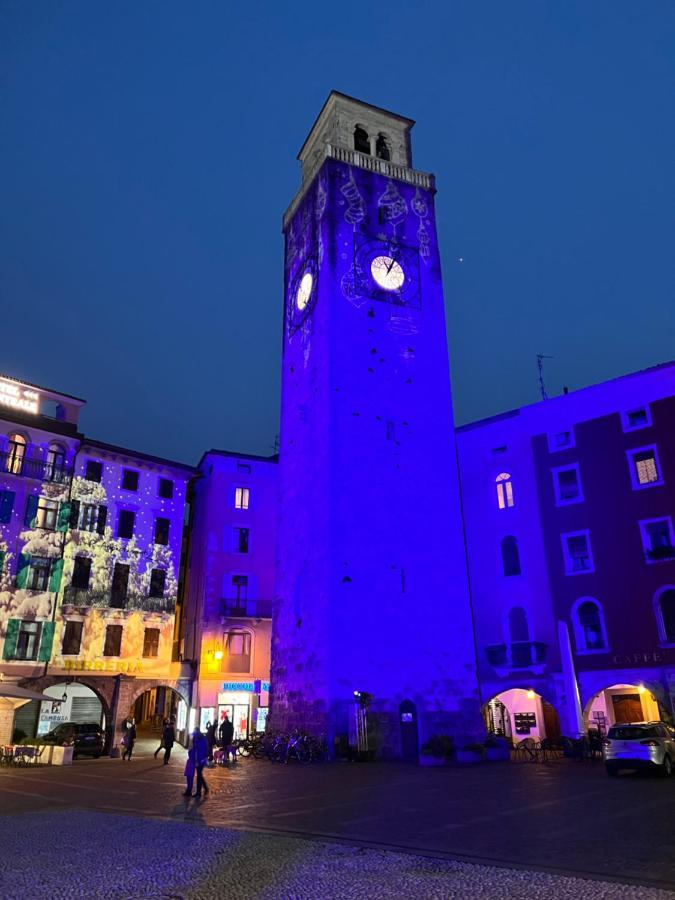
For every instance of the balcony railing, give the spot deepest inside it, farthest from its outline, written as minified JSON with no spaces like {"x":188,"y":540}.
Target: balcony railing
{"x":114,"y":600}
{"x":517,"y":655}
{"x":660,"y":553}
{"x":38,"y":469}
{"x":252,"y":608}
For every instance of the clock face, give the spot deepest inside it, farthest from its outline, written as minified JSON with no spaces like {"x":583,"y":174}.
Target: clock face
{"x":304,"y":291}
{"x":387,"y":272}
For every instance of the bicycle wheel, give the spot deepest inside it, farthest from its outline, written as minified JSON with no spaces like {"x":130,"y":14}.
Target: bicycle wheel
{"x":303,"y":751}
{"x":244,"y":748}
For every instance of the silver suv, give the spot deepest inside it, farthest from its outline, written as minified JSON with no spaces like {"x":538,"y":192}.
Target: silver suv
{"x":639,"y":745}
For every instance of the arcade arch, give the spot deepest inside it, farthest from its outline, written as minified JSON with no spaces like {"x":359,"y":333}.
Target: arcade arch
{"x":520,"y":713}
{"x":621,"y":703}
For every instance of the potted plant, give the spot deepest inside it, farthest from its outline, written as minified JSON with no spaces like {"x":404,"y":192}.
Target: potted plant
{"x":496,"y":748}
{"x":437,"y":751}
{"x":470,"y":753}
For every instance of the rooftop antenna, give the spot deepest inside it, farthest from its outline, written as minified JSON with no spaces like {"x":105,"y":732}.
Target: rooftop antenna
{"x":540,"y":365}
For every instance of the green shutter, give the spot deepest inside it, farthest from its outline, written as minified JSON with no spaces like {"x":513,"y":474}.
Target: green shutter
{"x":22,"y":570}
{"x":46,"y":642}
{"x":11,"y":637}
{"x":55,"y":577}
{"x":63,"y":518}
{"x":6,"y":506}
{"x":2,"y":561}
{"x":31,"y":512}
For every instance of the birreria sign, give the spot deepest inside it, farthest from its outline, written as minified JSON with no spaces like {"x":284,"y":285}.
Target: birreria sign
{"x":14,"y":394}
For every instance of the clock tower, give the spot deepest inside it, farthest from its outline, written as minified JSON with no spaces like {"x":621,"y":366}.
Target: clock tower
{"x":372,"y":591}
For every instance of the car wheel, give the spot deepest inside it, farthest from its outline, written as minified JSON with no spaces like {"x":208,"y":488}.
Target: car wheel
{"x":611,"y":770}
{"x":666,"y":767}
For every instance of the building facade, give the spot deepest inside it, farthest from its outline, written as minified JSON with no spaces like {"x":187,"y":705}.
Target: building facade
{"x":227,"y":626}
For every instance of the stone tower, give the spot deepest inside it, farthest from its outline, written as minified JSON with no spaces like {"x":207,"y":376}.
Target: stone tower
{"x":372,"y":592}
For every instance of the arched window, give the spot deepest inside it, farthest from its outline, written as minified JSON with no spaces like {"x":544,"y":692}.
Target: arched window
{"x":665,"y":614}
{"x":16,"y":451}
{"x":589,"y":625}
{"x":361,"y":140}
{"x":519,"y":629}
{"x":382,"y":150}
{"x":56,"y":463}
{"x":504,"y":490}
{"x":510,"y":555}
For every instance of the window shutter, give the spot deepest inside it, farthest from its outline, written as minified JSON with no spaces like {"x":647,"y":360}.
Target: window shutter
{"x":31,"y":511}
{"x":63,"y":518}
{"x":2,"y":561}
{"x":102,"y":517}
{"x":74,"y":513}
{"x":6,"y":506}
{"x":55,"y":577}
{"x":46,"y":642}
{"x":11,"y":637}
{"x":22,"y":570}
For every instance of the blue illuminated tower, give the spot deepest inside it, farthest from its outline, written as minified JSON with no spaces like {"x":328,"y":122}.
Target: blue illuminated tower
{"x":372,"y":591}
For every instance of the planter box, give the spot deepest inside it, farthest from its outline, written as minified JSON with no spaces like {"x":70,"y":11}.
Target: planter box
{"x":497,"y":754}
{"x":468,"y":757}
{"x":61,"y":756}
{"x":425,"y":760}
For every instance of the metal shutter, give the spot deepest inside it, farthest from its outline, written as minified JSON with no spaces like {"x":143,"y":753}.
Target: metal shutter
{"x":86,"y":709}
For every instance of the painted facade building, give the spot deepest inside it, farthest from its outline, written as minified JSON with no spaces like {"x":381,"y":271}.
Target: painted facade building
{"x":90,"y":542}
{"x":568,"y":508}
{"x":369,"y":516}
{"x":226,"y":630}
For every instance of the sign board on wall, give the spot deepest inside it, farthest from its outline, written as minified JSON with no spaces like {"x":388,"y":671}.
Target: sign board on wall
{"x":18,"y":396}
{"x":53,"y":713}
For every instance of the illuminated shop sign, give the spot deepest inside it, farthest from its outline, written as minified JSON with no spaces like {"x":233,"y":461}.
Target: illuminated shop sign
{"x":16,"y":396}
{"x":238,"y":686}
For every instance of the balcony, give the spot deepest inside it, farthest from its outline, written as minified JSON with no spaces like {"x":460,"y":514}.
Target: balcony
{"x":34,"y":468}
{"x":517,"y":656}
{"x":112,"y":600}
{"x":656,"y":553}
{"x":251,"y":608}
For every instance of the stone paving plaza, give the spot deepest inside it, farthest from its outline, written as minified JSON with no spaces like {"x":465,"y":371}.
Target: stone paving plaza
{"x":107,"y":828}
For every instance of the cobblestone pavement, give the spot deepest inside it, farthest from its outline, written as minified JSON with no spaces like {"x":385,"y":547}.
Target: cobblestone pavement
{"x":545,"y":821}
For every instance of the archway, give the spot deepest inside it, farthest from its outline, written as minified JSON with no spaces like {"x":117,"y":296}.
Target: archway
{"x":621,"y":703}
{"x":74,"y":701}
{"x":520,"y":713}
{"x":150,"y":706}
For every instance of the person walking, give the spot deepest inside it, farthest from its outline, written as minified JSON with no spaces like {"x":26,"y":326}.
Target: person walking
{"x":165,"y":722}
{"x":129,"y":739}
{"x":226,"y":734}
{"x":211,"y":739}
{"x":168,"y":739}
{"x":198,"y":755}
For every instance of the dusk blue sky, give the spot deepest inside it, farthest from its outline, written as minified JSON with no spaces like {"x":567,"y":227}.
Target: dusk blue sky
{"x":148,"y":150}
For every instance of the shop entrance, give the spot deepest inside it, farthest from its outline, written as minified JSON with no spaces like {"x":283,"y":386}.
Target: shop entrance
{"x":237,"y":708}
{"x":622,"y":703}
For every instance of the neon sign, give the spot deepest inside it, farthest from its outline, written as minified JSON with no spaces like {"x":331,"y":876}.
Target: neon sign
{"x":15,"y":395}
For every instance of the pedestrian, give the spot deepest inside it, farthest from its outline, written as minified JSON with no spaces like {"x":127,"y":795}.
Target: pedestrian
{"x":161,"y":738}
{"x":226,"y":734}
{"x":211,"y":738}
{"x":198,"y":755}
{"x":129,"y":739}
{"x":168,"y":739}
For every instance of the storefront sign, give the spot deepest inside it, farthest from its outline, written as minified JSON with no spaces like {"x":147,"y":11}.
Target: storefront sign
{"x":632,"y":659}
{"x":53,"y":713}
{"x":17,"y":396}
{"x":247,"y":686}
{"x":100,"y":665}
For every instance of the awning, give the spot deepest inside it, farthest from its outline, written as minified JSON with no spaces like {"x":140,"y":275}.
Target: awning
{"x":14,"y":692}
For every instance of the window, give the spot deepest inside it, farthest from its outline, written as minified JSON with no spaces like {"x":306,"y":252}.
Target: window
{"x":240,"y":589}
{"x":636,"y":418}
{"x":151,"y":642}
{"x":589,"y":626}
{"x":162,"y":531}
{"x":237,"y":656}
{"x":38,"y":576}
{"x":93,"y":471}
{"x":28,"y":640}
{"x":504,"y":490}
{"x":510,"y":556}
{"x":47,"y":514}
{"x":125,"y":523}
{"x":242,"y":497}
{"x":519,"y":629}
{"x":644,"y":467}
{"x":6,"y":506}
{"x":72,"y":638}
{"x":560,"y":440}
{"x":577,"y":553}
{"x":241,"y":540}
{"x":81,"y":573}
{"x":382,"y":150}
{"x":56,"y":463}
{"x":498,"y":450}
{"x":665,"y":614}
{"x":244,"y":467}
{"x":129,"y":480}
{"x":361,"y":140}
{"x":89,"y":517}
{"x":16,"y":451}
{"x":165,"y":488}
{"x":120,"y":585}
{"x":657,"y":539}
{"x":157,"y":582}
{"x":567,"y":485}
{"x":113,"y":640}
